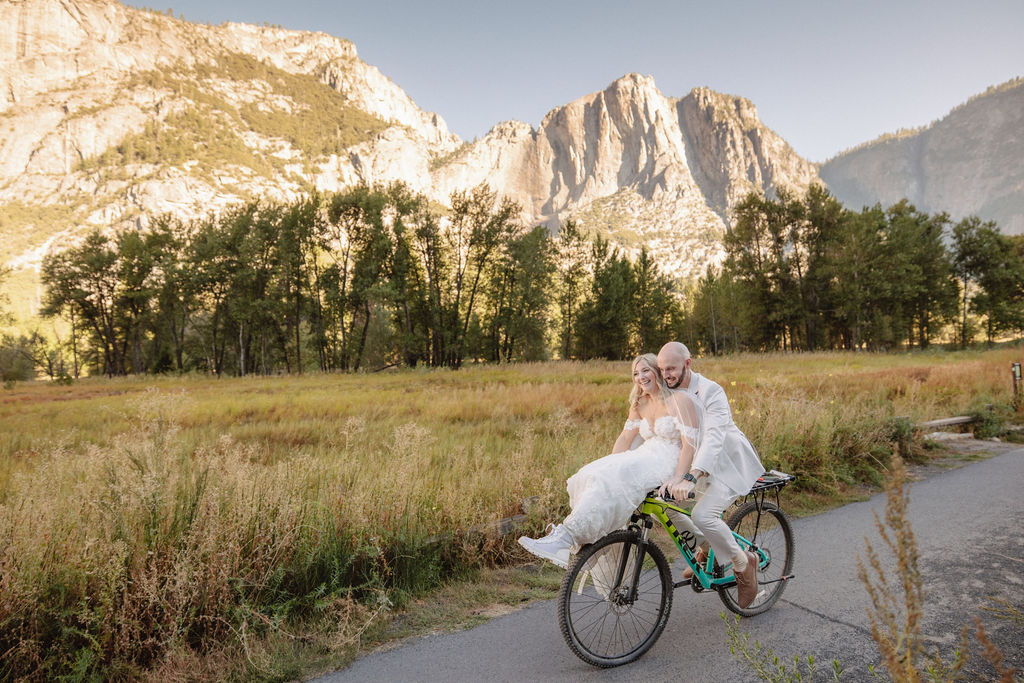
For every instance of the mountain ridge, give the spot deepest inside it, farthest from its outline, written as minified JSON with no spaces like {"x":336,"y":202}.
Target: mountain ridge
{"x":111,"y":115}
{"x":965,"y":163}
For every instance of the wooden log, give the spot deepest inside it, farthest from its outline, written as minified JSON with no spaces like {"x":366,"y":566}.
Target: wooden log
{"x":947,"y":422}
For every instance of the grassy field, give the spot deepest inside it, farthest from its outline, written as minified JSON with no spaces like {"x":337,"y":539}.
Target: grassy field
{"x":196,"y":528}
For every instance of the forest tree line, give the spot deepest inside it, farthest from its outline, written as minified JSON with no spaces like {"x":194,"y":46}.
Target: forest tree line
{"x":371,"y":278}
{"x":805,"y":274}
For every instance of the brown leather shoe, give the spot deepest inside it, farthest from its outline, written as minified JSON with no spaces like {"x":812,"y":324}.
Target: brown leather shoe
{"x":701,"y":556}
{"x":746,"y":582}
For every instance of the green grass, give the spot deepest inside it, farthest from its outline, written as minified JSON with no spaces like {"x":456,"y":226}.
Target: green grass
{"x":161,"y":525}
{"x":318,"y":121}
{"x":312,"y":117}
{"x":437,"y":162}
{"x":25,"y":226}
{"x":203,"y":136}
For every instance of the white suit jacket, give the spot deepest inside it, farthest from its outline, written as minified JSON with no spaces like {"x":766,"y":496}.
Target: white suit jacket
{"x":724,"y":452}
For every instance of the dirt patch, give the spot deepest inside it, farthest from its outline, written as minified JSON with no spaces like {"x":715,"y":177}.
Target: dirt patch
{"x":951,"y":450}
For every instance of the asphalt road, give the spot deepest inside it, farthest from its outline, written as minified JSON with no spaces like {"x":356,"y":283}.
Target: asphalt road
{"x":976,"y":509}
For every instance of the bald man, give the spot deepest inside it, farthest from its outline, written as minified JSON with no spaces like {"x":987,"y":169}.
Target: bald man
{"x":724,"y":458}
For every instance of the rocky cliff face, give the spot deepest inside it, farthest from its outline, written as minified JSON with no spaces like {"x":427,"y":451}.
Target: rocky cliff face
{"x":80,"y":77}
{"x":640,"y":167}
{"x":968,"y":163}
{"x":110,"y":115}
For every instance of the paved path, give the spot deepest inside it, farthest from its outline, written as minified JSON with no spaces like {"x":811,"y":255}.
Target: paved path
{"x":977,"y":507}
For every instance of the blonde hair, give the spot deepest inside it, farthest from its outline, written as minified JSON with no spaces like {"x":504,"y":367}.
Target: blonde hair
{"x":651,"y":361}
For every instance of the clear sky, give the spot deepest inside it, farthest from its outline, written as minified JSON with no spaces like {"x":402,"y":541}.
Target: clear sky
{"x":824,"y":74}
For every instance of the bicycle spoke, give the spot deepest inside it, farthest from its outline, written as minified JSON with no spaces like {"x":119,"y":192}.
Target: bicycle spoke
{"x":767,"y":530}
{"x":607,"y":629}
{"x":600,"y":621}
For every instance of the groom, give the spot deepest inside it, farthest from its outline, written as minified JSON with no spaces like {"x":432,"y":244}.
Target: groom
{"x":724,"y":456}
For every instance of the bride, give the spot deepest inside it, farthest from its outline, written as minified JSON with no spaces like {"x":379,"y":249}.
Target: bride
{"x":604,"y":493}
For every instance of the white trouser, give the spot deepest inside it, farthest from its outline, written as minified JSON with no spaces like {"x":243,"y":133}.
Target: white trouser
{"x":690,"y":534}
{"x":707,"y":521}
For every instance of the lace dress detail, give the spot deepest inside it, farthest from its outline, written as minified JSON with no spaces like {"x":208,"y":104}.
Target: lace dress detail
{"x":669,"y":428}
{"x":605,"y":492}
{"x":633,"y":424}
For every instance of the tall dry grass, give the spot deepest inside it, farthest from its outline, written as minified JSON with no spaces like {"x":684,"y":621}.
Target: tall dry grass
{"x":149,"y":525}
{"x":898,"y":600}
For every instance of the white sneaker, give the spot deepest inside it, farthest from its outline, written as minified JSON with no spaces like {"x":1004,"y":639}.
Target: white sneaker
{"x":555,"y":547}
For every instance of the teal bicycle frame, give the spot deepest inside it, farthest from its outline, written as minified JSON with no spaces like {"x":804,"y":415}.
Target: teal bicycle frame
{"x":618,"y":619}
{"x":654,"y":508}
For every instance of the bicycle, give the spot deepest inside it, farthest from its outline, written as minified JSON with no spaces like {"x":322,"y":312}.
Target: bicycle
{"x":622,"y":612}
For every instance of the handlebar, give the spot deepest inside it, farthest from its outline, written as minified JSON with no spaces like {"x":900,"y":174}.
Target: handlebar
{"x":669,"y":498}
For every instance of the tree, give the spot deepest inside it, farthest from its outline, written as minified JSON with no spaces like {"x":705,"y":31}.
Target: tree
{"x":654,"y":306}
{"x":408,"y":288}
{"x":718,"y":318}
{"x":572,"y":262}
{"x":136,"y":259}
{"x":756,"y":248}
{"x":518,"y":294}
{"x":293,"y":252}
{"x":84,"y":280}
{"x":857,"y":273}
{"x":479,"y":225}
{"x":213,"y":257}
{"x":606,"y":315}
{"x":17,"y":358}
{"x":927,"y":292}
{"x":990,"y":264}
{"x":17,"y":355}
{"x":362,"y":263}
{"x":826,"y":223}
{"x":430,"y":248}
{"x":175,"y":293}
{"x":5,"y":316}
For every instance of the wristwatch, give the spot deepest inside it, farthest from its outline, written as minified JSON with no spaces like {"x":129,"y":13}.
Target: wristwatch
{"x":690,"y":477}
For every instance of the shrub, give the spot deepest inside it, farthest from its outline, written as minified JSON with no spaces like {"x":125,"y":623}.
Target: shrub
{"x":16,"y":364}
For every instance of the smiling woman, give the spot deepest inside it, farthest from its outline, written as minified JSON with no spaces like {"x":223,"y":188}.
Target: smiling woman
{"x":603,"y":493}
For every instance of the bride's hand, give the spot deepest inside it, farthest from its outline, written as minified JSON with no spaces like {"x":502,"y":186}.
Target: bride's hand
{"x":668,"y":486}
{"x":677,"y":487}
{"x":682,"y":489}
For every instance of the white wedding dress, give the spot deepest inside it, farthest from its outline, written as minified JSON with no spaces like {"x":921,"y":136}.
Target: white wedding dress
{"x":604,"y":493}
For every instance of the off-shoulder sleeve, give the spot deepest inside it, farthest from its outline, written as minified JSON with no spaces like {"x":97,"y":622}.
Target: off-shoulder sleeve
{"x":633,"y":420}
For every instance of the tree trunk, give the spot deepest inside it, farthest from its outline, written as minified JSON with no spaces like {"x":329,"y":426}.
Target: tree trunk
{"x":74,"y":342}
{"x":241,"y":351}
{"x":362,"y":336}
{"x":298,"y":331}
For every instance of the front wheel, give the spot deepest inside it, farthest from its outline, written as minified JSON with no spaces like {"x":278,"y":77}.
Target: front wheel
{"x":768,"y":531}
{"x":605,"y":622}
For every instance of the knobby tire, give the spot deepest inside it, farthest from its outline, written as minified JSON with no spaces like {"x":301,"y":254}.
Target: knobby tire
{"x":774,"y":535}
{"x":597,"y":629}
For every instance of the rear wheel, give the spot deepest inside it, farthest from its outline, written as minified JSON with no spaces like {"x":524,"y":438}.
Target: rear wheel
{"x":769,"y":532}
{"x":601,"y":620}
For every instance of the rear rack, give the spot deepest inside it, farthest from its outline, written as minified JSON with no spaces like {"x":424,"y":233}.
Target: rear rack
{"x":771,"y":481}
